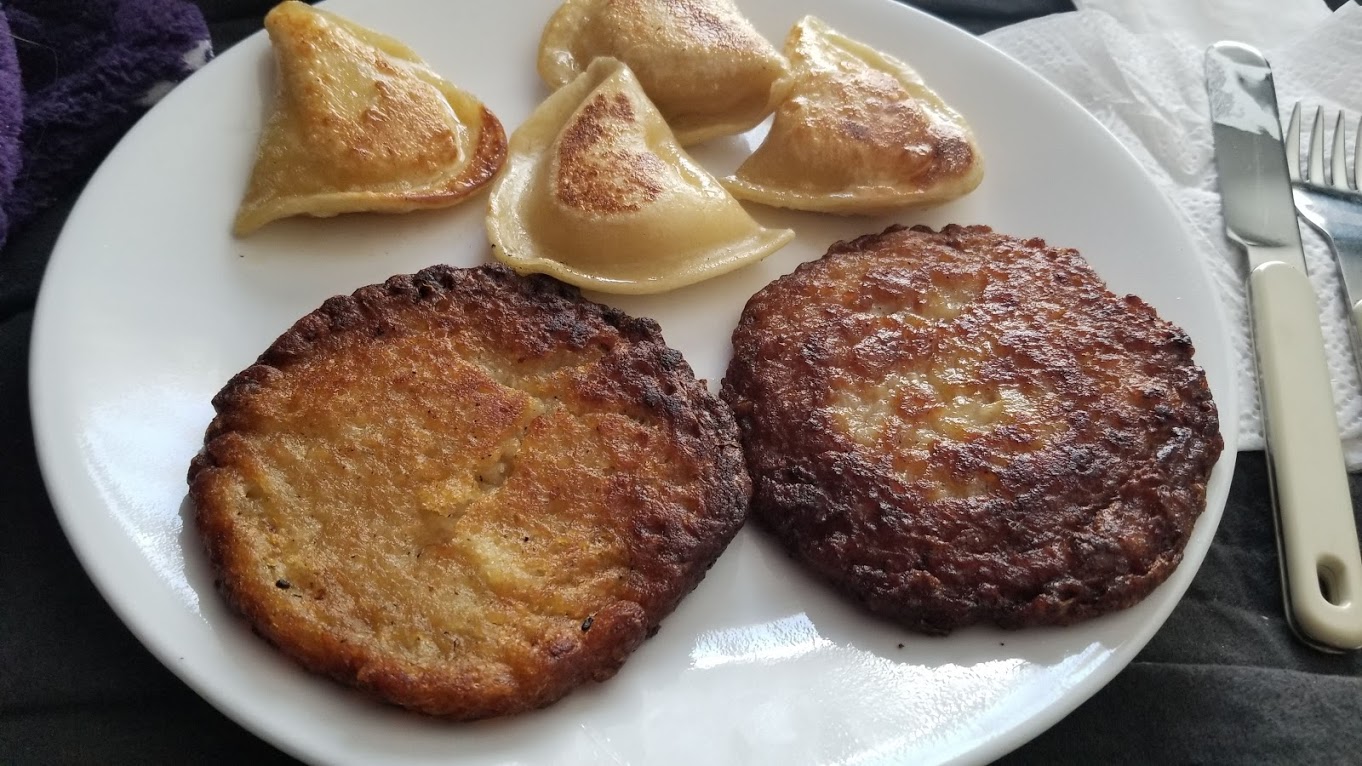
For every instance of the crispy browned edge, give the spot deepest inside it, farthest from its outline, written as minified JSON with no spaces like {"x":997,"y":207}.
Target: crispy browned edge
{"x":667,"y":387}
{"x":789,"y":509}
{"x":488,"y":157}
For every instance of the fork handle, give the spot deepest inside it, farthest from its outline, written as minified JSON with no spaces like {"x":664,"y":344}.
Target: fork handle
{"x":1356,"y":315}
{"x":1347,"y":249}
{"x":1317,"y":535}
{"x":1337,"y":216}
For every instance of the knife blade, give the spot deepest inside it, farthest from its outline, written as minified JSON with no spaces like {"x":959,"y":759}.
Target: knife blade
{"x":1317,"y":540}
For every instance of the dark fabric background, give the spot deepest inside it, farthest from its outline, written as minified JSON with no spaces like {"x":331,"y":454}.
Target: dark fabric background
{"x":1222,"y":682}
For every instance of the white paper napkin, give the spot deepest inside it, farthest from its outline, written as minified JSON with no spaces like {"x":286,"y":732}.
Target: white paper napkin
{"x":1137,"y":66}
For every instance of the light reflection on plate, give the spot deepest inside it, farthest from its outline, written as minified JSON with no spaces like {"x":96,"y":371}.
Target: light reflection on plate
{"x":763,"y":643}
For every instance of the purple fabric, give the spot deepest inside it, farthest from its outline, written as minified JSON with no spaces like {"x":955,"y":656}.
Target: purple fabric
{"x":11,"y":118}
{"x":74,"y":76}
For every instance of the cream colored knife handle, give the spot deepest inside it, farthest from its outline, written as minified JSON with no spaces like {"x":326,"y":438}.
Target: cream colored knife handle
{"x":1321,"y":567}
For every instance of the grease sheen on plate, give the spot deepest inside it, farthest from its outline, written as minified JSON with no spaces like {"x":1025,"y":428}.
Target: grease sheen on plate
{"x":761,"y":663}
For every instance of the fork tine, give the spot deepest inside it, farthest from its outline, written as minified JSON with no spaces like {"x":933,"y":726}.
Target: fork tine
{"x":1316,"y":172}
{"x":1357,"y":156}
{"x":1338,"y":163}
{"x":1293,"y":143}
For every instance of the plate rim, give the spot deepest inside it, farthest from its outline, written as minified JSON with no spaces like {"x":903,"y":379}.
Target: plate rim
{"x":990,"y":747}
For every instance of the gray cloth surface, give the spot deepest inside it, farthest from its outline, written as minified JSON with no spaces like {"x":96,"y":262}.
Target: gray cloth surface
{"x":1222,"y":682}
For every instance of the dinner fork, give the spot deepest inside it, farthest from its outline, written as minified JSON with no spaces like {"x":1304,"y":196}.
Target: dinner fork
{"x":1332,"y":205}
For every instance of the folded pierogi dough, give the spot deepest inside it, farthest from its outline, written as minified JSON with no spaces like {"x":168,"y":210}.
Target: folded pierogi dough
{"x":598,"y":193}
{"x":361,"y":123}
{"x":859,"y":132}
{"x":701,"y":62}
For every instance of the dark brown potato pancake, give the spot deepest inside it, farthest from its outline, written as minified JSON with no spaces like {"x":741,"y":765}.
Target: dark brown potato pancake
{"x":464,"y":491}
{"x":964,"y":427}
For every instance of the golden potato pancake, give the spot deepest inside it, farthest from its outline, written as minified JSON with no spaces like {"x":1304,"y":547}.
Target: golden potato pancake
{"x":960,"y":426}
{"x":465,"y":492}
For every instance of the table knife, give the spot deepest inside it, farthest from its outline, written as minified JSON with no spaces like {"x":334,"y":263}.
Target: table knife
{"x":1316,"y":535}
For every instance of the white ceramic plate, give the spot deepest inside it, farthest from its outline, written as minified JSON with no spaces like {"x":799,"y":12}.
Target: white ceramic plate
{"x":150,"y":305}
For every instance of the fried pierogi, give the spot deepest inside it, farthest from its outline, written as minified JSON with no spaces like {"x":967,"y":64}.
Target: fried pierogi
{"x":701,"y":62}
{"x":361,"y":123}
{"x":598,"y":193}
{"x":858,"y":133}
